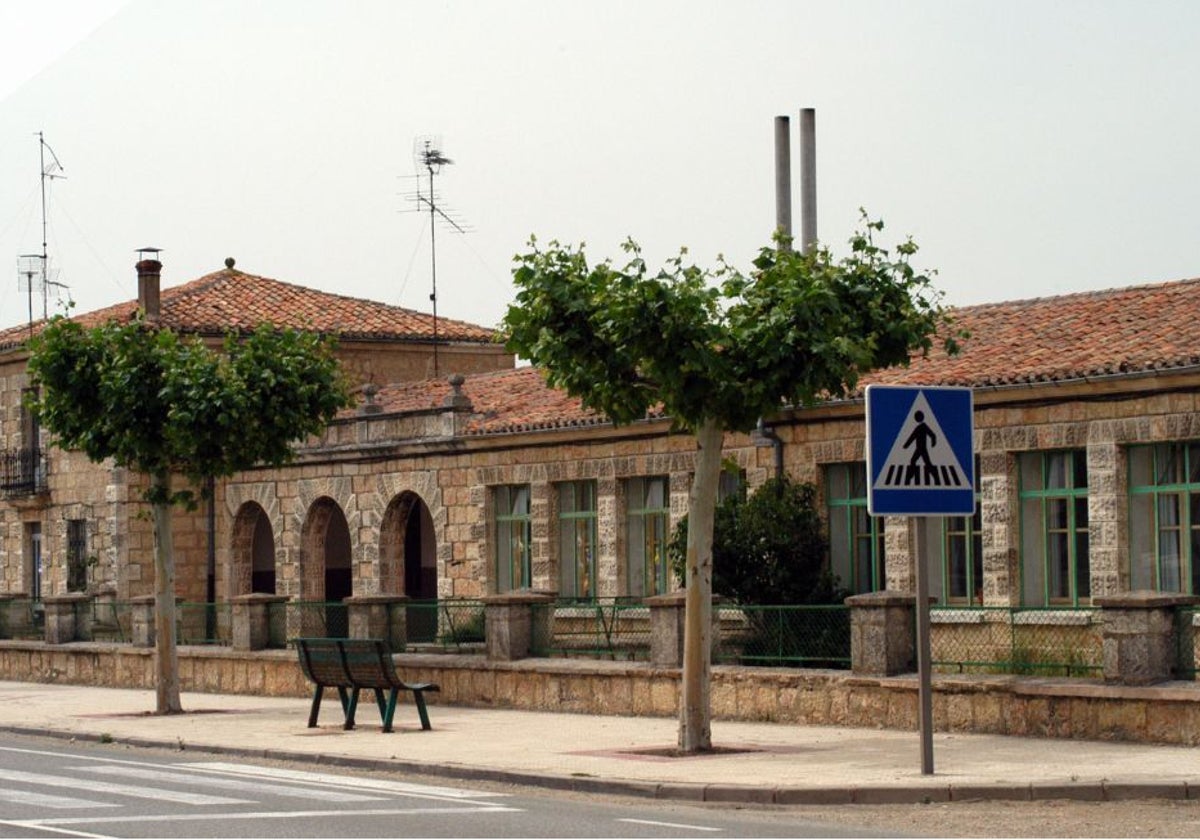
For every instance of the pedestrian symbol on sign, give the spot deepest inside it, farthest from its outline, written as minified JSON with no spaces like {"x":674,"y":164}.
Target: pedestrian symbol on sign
{"x":921,"y":458}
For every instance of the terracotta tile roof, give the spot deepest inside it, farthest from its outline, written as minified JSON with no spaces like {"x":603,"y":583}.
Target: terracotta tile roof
{"x":233,"y":300}
{"x":1052,"y":339}
{"x":506,"y":401}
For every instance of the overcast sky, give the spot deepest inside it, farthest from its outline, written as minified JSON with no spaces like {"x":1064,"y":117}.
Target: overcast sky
{"x":1031,"y":148}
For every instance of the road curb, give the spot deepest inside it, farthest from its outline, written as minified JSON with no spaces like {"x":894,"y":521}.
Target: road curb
{"x":677,"y":791}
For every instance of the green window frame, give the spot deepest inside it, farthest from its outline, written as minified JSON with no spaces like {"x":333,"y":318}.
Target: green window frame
{"x":1053,"y":493}
{"x":962,"y":556}
{"x":514,"y":530}
{"x":1164,"y":517}
{"x":647,"y":522}
{"x":577,"y":529}
{"x":856,"y":551}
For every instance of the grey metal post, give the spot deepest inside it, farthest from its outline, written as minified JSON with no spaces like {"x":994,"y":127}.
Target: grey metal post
{"x":808,"y":179}
{"x":783,"y":179}
{"x":924,"y":678}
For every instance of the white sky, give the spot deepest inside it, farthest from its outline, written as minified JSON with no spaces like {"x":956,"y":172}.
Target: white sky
{"x":1031,"y":148}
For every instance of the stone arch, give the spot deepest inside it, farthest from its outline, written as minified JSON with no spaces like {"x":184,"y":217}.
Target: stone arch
{"x":406,"y":495}
{"x":326,"y":570}
{"x":253,"y":551}
{"x":247,"y":507}
{"x":408,"y":549}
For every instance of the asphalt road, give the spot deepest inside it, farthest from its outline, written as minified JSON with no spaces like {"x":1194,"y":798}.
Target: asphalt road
{"x":56,"y":789}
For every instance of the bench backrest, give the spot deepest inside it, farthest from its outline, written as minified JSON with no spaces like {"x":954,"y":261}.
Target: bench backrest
{"x":356,"y":663}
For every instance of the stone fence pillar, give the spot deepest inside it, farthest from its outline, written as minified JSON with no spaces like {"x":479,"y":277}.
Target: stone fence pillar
{"x":1140,"y":641}
{"x":61,"y":612}
{"x":882,"y":633}
{"x":379,"y":617}
{"x":252,"y":619}
{"x":666,"y":628}
{"x":515,"y":622}
{"x":142,"y":617}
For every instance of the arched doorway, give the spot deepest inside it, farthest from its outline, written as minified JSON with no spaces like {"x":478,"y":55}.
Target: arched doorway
{"x":408,"y":556}
{"x":325,"y":555}
{"x":253,"y":551}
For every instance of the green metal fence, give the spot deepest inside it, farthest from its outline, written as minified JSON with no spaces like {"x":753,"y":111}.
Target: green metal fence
{"x":104,"y":620}
{"x":22,"y":618}
{"x":1043,"y":641}
{"x":204,"y":624}
{"x":608,"y":628}
{"x":329,"y":619}
{"x":796,"y":635}
{"x":1187,"y":649}
{"x":453,"y":625}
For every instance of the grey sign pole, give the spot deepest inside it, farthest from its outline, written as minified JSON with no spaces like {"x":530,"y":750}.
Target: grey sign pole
{"x":924,"y":673}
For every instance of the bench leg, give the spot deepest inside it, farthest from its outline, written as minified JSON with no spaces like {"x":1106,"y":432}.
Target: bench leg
{"x":419,"y":699}
{"x":389,"y":711}
{"x":316,"y":706}
{"x":350,"y":706}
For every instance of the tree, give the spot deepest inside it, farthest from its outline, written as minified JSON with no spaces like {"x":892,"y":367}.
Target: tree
{"x":768,"y":548}
{"x":717,"y":350}
{"x":164,"y":406}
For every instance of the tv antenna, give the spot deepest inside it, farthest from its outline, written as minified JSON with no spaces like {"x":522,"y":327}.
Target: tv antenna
{"x":428,"y":159}
{"x":33,"y":270}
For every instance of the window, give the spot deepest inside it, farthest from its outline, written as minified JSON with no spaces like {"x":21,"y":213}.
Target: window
{"x":647,"y":517}
{"x":1054,"y":528}
{"x":577,"y":539}
{"x":962,"y":555}
{"x":33,"y":553}
{"x":731,"y":482}
{"x":1164,"y":517}
{"x":76,"y":555}
{"x":855,"y":537}
{"x":513,"y":531}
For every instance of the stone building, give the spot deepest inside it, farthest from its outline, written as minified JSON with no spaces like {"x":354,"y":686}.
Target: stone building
{"x":69,"y":525}
{"x":1087,"y":448}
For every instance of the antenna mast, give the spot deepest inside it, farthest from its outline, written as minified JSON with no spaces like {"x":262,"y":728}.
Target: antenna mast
{"x":30,"y":266}
{"x":427,"y":155}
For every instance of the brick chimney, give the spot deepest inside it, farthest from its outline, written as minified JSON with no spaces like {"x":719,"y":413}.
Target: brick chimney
{"x":149,"y":298}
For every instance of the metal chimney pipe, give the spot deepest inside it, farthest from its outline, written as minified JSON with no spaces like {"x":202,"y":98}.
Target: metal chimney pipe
{"x":783,"y":181}
{"x":808,"y":179}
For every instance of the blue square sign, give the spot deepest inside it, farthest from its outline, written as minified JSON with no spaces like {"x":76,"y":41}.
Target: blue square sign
{"x":920,"y":451}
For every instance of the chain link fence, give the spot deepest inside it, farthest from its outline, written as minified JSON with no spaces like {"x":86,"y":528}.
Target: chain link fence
{"x":796,"y":635}
{"x":451,"y":625}
{"x":1187,"y":642}
{"x":1044,"y":641}
{"x":600,"y":628}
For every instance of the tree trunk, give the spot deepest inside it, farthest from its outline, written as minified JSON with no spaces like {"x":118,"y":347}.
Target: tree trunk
{"x":166,"y":662}
{"x":695,"y":708}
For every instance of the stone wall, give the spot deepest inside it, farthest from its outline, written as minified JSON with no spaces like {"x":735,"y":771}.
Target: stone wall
{"x":1084,"y":709}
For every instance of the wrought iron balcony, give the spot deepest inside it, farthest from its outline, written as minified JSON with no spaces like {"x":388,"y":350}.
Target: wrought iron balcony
{"x":22,"y":472}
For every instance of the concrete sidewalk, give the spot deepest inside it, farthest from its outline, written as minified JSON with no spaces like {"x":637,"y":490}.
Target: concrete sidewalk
{"x":752,"y":763}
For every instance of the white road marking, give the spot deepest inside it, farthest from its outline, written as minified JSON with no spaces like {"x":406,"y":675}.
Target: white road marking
{"x":670,"y":825}
{"x":91,"y":786}
{"x":65,"y":832}
{"x":379,"y":785}
{"x":265,"y":815}
{"x":240,"y":785}
{"x":46,"y":800}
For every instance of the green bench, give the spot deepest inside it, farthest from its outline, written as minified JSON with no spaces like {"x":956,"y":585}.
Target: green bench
{"x":350,"y":665}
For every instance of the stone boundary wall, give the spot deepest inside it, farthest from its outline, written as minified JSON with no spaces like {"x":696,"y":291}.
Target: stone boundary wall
{"x":1083,"y":709}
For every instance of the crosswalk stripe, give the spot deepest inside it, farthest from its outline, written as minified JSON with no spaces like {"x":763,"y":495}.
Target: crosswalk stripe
{"x":92,"y":786}
{"x":46,"y":800}
{"x":379,"y":785}
{"x":240,"y":785}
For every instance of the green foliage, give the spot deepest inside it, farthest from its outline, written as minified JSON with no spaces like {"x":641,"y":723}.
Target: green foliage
{"x":158,"y":404}
{"x":768,"y":548}
{"x":720,"y":345}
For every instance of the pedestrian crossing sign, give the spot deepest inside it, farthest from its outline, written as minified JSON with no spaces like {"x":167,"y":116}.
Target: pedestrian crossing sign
{"x":920,"y":451}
